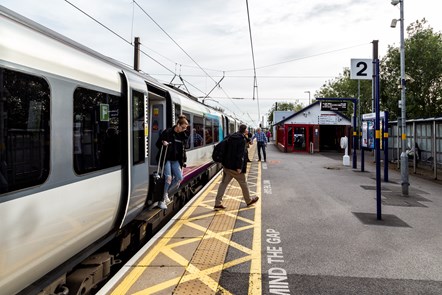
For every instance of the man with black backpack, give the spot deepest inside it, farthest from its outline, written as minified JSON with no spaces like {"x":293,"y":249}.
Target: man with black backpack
{"x":235,"y":166}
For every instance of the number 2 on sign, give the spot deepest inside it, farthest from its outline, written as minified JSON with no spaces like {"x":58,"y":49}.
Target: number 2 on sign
{"x":362,"y":71}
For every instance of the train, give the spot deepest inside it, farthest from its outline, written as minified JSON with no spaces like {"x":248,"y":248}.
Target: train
{"x":78,"y":132}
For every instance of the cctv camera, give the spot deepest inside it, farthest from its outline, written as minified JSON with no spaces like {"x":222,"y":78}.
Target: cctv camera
{"x":393,"y":23}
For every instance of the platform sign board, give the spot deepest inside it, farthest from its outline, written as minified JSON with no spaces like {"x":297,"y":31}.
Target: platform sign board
{"x":327,"y":119}
{"x":361,"y":69}
{"x":333,"y":106}
{"x":368,"y":131}
{"x":368,"y":134}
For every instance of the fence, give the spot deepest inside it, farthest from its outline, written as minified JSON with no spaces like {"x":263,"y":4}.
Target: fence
{"x":424,"y":137}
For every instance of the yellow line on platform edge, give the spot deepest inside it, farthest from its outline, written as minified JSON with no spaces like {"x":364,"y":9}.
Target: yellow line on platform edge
{"x":255,"y":279}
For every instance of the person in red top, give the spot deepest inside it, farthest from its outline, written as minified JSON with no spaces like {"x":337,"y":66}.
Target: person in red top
{"x":268,"y":134}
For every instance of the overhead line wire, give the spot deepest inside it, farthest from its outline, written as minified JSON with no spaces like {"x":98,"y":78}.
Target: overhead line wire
{"x":130,"y":43}
{"x":182,"y":50}
{"x":153,"y":59}
{"x":173,"y":40}
{"x":97,"y":21}
{"x":300,"y":58}
{"x":255,"y":82}
{"x":264,"y":77}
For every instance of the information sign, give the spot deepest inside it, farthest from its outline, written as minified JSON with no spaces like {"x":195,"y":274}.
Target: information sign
{"x":333,"y":106}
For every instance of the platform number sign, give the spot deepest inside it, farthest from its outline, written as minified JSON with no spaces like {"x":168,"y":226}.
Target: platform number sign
{"x":361,"y":69}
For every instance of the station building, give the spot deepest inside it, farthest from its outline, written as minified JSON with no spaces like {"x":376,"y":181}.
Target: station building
{"x":312,"y":130}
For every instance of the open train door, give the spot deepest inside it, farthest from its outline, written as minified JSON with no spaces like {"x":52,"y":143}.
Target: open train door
{"x":137,"y":165}
{"x":159,"y":103}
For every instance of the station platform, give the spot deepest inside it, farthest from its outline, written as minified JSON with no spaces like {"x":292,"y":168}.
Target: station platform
{"x":313,"y":231}
{"x":191,"y":255}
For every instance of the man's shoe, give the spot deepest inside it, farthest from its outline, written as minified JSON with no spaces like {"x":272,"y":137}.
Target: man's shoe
{"x":253,"y":201}
{"x":162,"y":205}
{"x":219,"y":207}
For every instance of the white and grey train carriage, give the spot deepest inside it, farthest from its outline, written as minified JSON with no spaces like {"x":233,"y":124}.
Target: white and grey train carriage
{"x":77,"y":151}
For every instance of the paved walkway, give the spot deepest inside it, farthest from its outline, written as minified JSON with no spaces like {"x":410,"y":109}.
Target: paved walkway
{"x":331,"y":243}
{"x":314,"y":231}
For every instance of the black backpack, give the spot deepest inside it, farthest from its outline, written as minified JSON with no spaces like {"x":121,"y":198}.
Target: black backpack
{"x":219,"y":150}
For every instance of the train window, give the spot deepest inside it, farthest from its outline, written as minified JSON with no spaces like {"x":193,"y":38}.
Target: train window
{"x":215,"y":130}
{"x":189,"y":127}
{"x":208,"y":134}
{"x":97,"y":141}
{"x":24,"y":130}
{"x":138,"y":127}
{"x":198,"y":137}
{"x":177,"y":113}
{"x":231,"y":128}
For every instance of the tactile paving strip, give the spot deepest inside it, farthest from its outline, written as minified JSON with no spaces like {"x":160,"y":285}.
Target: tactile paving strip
{"x":212,"y":251}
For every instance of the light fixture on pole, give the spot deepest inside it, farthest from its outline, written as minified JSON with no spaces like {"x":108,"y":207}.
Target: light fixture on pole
{"x":308,"y":96}
{"x":404,"y":158}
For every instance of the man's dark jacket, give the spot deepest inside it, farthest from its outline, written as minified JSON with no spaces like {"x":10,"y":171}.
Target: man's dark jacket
{"x":234,"y":157}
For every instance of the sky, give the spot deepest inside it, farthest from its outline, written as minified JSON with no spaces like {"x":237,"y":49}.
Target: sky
{"x":298,"y":46}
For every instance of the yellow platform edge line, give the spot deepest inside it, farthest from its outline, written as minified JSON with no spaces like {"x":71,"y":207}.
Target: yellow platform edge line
{"x":255,"y":279}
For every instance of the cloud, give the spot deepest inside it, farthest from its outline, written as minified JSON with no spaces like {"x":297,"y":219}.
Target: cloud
{"x":299,"y":37}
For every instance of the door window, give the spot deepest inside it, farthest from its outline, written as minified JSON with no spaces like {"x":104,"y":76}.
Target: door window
{"x":138,"y":117}
{"x":97,"y":140}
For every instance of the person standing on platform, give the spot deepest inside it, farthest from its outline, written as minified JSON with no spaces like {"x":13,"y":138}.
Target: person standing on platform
{"x":175,"y":138}
{"x":261,"y":139}
{"x":248,"y":143}
{"x":268,"y":134}
{"x":235,"y":166}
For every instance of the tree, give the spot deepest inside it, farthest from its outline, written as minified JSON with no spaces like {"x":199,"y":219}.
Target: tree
{"x":423,"y":56}
{"x":283,"y":106}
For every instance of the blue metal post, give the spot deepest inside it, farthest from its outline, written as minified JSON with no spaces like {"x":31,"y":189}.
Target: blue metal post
{"x":362,"y":159}
{"x":378,"y":145}
{"x":355,"y":132}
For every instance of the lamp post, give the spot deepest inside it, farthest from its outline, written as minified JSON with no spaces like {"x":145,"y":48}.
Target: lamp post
{"x":404,"y":158}
{"x":308,"y":96}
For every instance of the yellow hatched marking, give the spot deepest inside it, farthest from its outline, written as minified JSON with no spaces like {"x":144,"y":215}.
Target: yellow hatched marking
{"x":219,"y":236}
{"x":239,"y":229}
{"x":193,"y":274}
{"x":192,"y":269}
{"x":238,"y":217}
{"x":134,"y":275}
{"x":186,"y":242}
